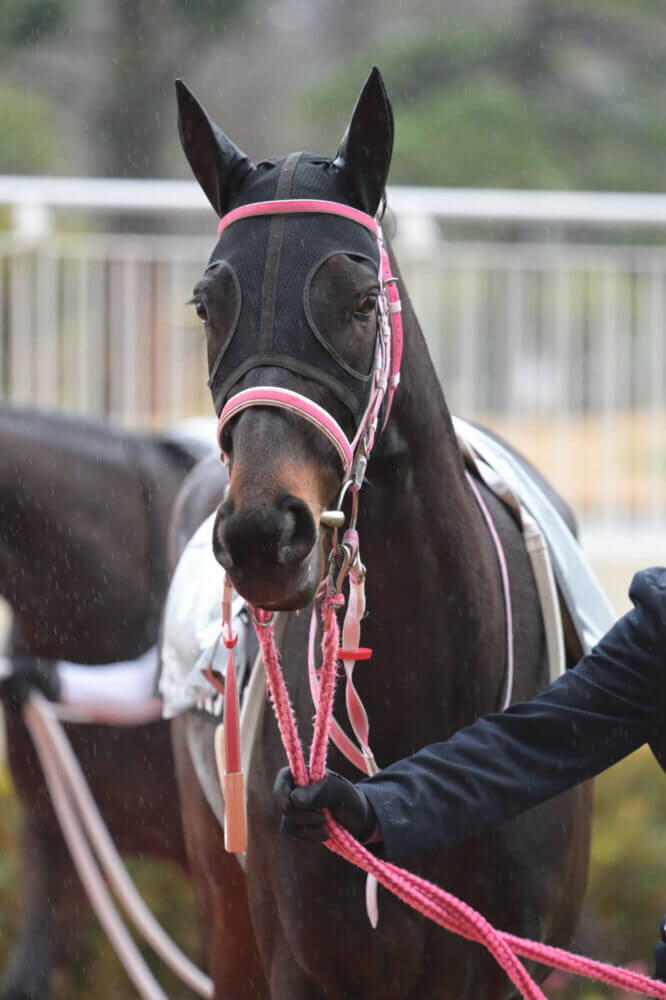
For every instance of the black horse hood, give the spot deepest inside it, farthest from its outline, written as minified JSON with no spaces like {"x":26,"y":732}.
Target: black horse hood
{"x":273,"y":260}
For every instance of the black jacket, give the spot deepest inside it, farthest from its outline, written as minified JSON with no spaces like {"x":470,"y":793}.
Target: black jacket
{"x":604,"y":708}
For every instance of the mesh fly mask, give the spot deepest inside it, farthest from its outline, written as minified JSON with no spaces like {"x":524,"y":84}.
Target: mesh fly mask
{"x":269,"y":325}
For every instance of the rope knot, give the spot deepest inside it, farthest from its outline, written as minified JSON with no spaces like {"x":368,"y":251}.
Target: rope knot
{"x":260,"y":617}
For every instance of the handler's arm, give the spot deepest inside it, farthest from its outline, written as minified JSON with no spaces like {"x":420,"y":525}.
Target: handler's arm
{"x":597,"y":713}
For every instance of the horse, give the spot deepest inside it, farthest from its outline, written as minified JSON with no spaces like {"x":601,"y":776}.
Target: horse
{"x":291,"y":304}
{"x":83,"y":525}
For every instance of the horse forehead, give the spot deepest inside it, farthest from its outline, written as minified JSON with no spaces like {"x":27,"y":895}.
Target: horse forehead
{"x":300,"y":176}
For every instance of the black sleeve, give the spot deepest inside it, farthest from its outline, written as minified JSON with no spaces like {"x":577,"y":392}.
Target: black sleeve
{"x":597,"y":713}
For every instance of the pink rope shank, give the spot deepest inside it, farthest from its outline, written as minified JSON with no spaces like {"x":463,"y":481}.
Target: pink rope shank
{"x":435,"y":903}
{"x":281,"y":705}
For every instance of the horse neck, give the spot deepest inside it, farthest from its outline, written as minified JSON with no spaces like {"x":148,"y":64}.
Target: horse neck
{"x":432,"y":583}
{"x":418,"y":478}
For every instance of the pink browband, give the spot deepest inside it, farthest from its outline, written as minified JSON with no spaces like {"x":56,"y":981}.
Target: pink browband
{"x":388,"y":356}
{"x":289,"y":206}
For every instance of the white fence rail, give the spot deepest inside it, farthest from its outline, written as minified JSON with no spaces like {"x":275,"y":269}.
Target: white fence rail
{"x":560,"y":345}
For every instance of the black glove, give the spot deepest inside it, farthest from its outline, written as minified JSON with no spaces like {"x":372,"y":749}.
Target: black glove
{"x":29,"y":672}
{"x":302,"y":818}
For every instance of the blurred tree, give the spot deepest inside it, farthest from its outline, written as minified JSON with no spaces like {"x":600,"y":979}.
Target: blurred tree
{"x":28,"y":119}
{"x":561,"y":93}
{"x":148,"y":40}
{"x":210,"y":15}
{"x":558,"y":93}
{"x":24,"y":22}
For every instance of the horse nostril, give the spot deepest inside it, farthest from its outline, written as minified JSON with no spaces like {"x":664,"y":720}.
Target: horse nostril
{"x":299,"y":531}
{"x":282,"y":533}
{"x":220,"y":550}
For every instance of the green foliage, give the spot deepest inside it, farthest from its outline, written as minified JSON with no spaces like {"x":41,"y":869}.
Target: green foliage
{"x":506,"y":147}
{"x":627,"y":884}
{"x":626,"y":895}
{"x":9,"y":864}
{"x":25,"y":22}
{"x":617,"y":9}
{"x":209,"y":15}
{"x":30,"y":143}
{"x":564,"y":95}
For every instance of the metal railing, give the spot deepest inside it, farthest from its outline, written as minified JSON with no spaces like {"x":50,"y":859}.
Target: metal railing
{"x":34,"y":199}
{"x":559,"y":344}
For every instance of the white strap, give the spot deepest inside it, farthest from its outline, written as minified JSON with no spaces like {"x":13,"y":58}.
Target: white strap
{"x":79,"y":817}
{"x":110,"y":693}
{"x":548,"y":598}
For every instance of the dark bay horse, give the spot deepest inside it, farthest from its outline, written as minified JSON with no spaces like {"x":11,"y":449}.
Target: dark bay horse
{"x":83,"y":523}
{"x":291,"y":302}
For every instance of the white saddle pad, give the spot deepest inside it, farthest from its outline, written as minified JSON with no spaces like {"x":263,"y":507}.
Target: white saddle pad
{"x":588,"y":605}
{"x":197,"y":435}
{"x":192,"y":629}
{"x":191,"y":639}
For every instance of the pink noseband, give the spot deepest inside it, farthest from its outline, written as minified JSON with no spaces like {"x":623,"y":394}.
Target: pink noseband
{"x":295,"y":403}
{"x":388,"y":355}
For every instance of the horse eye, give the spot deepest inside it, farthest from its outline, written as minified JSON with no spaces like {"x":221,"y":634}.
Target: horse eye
{"x":200,"y":310}
{"x":366,"y":306}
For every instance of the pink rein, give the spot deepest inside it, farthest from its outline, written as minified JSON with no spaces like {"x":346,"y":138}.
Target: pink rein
{"x":436,"y":904}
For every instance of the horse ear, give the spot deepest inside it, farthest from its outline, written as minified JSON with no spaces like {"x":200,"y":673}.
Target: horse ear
{"x":217,"y":163}
{"x":364,"y":156}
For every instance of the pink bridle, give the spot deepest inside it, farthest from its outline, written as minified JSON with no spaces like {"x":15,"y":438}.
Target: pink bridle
{"x":353,"y":453}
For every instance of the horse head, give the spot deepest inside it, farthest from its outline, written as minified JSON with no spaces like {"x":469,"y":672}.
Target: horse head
{"x":292,"y":302}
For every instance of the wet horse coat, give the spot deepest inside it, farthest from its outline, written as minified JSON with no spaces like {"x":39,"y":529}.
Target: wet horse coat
{"x":436,"y":616}
{"x":83,"y":525}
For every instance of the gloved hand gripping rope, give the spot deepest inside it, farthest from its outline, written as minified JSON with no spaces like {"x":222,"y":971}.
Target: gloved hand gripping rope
{"x":433,"y":902}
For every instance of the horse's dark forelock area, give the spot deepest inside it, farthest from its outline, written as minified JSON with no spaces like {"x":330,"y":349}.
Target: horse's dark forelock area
{"x":83,"y":524}
{"x":437,"y":628}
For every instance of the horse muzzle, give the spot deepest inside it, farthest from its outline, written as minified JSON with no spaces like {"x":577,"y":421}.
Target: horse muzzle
{"x":269,"y":551}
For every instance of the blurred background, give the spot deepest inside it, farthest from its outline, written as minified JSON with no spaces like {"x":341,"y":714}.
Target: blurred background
{"x":543,"y":303}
